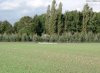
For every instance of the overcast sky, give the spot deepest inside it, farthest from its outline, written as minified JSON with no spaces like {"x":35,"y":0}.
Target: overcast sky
{"x":12,"y":10}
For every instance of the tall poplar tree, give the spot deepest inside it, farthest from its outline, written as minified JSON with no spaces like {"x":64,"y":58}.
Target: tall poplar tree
{"x":86,"y":15}
{"x":53,"y":18}
{"x":60,"y":24}
{"x":47,"y":21}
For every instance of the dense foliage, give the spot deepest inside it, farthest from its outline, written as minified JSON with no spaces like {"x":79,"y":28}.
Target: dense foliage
{"x":55,"y":26}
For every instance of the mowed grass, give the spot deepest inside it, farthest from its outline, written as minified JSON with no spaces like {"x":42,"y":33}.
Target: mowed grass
{"x":49,"y":58}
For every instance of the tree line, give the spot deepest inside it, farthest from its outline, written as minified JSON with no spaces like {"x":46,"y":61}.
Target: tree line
{"x":55,"y":26}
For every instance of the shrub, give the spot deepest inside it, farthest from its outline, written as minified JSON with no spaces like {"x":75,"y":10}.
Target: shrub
{"x":12,"y":38}
{"x":76,"y":37}
{"x":5,"y":37}
{"x":25,"y":37}
{"x":69,"y":37}
{"x":30,"y":37}
{"x":54,"y":38}
{"x":45,"y":38}
{"x":98,"y":36}
{"x":1,"y":37}
{"x":90,"y":36}
{"x":36,"y":38}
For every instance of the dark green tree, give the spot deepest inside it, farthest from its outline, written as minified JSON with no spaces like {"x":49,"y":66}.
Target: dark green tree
{"x":25,"y":24}
{"x":38,"y":27}
{"x":0,"y":27}
{"x":6,"y":27}
{"x":98,"y":22}
{"x":71,"y":22}
{"x":92,"y":23}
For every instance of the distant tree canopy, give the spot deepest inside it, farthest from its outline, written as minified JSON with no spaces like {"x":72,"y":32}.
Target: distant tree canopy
{"x":54,"y":22}
{"x":5,"y":27}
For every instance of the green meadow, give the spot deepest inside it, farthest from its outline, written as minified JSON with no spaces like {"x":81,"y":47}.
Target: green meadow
{"x":49,"y":58}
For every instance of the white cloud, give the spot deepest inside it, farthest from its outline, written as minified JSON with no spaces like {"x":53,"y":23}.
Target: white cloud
{"x":95,"y":6}
{"x":37,"y":3}
{"x":73,"y":4}
{"x":9,"y":5}
{"x":13,"y":4}
{"x":24,"y":11}
{"x":67,"y":4}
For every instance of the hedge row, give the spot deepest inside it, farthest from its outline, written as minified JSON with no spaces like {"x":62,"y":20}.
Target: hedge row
{"x":67,"y":37}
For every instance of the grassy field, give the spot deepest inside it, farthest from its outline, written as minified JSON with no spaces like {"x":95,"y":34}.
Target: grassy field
{"x":49,"y":58}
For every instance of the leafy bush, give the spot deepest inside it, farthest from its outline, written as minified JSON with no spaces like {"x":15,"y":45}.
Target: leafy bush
{"x":54,"y":38}
{"x":45,"y":38}
{"x":25,"y":37}
{"x":1,"y":37}
{"x":36,"y":38}
{"x":5,"y":37}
